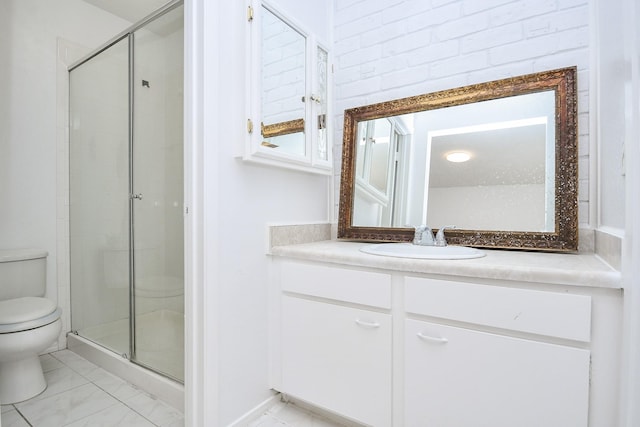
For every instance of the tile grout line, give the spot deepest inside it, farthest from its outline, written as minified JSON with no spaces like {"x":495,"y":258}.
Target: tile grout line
{"x":94,"y":413}
{"x":125,"y":403}
{"x":37,"y":397}
{"x":22,"y":415}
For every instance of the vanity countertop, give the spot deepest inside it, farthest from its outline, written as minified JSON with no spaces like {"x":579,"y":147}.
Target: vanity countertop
{"x":538,"y":267}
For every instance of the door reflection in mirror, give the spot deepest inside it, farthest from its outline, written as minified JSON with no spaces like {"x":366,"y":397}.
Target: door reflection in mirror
{"x":380,"y":165}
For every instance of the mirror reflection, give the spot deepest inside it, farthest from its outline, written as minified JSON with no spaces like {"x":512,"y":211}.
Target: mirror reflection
{"x":283,"y":85}
{"x":487,"y":165}
{"x":497,"y":160}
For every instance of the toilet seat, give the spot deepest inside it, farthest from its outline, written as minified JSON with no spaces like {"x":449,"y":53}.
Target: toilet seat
{"x":21,"y":314}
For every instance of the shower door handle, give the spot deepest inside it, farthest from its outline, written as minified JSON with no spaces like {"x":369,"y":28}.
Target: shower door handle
{"x":137,"y":196}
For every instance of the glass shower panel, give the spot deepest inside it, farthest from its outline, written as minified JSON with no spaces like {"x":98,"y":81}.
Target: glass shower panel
{"x":99,"y":197}
{"x":158,"y":195}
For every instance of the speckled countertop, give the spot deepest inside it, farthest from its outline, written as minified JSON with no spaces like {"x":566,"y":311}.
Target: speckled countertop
{"x":537,"y":267}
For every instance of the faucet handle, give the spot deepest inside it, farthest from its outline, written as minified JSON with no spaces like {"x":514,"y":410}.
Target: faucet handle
{"x":417,"y":236}
{"x":440,"y":238}
{"x":423,"y":236}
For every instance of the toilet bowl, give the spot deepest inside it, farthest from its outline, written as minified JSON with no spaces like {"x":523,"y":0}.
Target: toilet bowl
{"x":29,"y":324}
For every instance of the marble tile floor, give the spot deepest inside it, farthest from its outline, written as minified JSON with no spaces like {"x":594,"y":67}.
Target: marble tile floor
{"x":289,"y":415}
{"x":81,"y":394}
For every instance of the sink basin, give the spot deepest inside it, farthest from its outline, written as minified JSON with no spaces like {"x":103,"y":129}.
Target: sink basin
{"x":409,"y":250}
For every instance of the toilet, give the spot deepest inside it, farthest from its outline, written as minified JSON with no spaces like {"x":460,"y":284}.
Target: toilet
{"x":29,"y":323}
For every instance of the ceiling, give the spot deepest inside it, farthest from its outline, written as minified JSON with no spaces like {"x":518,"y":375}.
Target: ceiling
{"x":132,"y":11}
{"x":508,"y":156}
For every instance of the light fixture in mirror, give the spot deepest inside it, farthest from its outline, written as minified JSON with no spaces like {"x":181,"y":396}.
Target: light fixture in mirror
{"x":458,"y":156}
{"x":283,"y":76}
{"x":518,"y":188}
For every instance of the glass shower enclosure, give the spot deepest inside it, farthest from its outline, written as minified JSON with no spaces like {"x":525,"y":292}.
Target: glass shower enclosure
{"x":126,"y":194}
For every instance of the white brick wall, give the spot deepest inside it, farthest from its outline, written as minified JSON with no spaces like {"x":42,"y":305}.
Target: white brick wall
{"x":388,"y":49}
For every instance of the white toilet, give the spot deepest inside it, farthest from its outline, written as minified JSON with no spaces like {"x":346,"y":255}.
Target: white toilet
{"x":29,"y":323}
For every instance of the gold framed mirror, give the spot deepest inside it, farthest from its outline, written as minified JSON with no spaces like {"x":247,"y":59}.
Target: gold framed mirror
{"x":517,"y":189}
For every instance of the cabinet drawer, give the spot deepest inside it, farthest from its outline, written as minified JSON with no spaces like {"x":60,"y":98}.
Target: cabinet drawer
{"x":539,"y":312}
{"x":359,"y":287}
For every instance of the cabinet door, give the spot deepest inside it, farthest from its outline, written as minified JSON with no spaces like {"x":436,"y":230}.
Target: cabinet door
{"x":338,"y":358}
{"x":459,"y":378}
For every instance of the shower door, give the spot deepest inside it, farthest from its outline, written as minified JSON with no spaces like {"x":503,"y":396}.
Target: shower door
{"x":126,"y":195}
{"x":99,"y":197}
{"x":157,"y":189}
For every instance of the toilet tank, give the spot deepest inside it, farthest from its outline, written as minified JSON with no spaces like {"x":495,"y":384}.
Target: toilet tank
{"x":23,"y":273}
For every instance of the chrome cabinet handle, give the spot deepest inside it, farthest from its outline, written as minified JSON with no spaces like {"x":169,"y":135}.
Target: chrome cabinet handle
{"x":137,"y":196}
{"x":367,"y":324}
{"x":437,"y":340}
{"x":313,"y":97}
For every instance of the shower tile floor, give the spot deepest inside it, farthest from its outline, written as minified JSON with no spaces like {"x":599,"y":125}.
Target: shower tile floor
{"x":81,"y":394}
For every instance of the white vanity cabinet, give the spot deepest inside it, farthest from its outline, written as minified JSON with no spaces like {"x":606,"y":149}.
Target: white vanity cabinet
{"x":391,"y":348}
{"x":335,"y":333}
{"x":477,"y":373}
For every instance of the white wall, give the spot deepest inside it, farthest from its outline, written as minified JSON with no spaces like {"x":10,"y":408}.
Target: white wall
{"x":386,"y":51}
{"x":238,"y":200}
{"x":627,"y":13}
{"x":32,"y":119}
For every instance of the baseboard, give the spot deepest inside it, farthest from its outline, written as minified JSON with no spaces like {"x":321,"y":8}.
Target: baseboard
{"x":256,"y":412}
{"x":322,"y":413}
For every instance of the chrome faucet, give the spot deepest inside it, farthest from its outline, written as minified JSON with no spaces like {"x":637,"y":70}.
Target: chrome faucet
{"x":440,"y":238}
{"x":423,"y":236}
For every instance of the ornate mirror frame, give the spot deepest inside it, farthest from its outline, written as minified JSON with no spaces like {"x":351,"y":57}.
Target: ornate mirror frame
{"x":563,"y":238}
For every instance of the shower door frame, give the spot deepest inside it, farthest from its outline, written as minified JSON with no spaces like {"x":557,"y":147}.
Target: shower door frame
{"x":129,"y":35}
